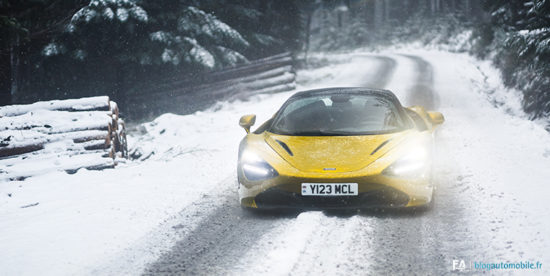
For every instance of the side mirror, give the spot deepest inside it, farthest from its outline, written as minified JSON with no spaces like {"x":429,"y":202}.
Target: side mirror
{"x":247,"y":121}
{"x":436,"y":117}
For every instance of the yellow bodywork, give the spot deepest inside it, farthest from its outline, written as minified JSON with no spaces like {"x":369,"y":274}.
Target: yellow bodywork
{"x":337,"y":159}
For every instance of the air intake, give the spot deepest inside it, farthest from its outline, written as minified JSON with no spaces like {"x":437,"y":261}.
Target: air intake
{"x":380,"y":146}
{"x":285,"y":146}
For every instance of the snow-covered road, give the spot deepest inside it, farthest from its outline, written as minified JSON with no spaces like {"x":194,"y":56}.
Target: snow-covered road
{"x":177,"y":211}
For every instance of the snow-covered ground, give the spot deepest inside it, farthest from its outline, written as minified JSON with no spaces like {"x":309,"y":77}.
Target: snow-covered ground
{"x":494,"y":168}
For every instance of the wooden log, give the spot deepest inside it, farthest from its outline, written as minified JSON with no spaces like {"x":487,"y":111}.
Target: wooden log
{"x":275,"y":81}
{"x":245,"y":79}
{"x":268,"y":74}
{"x":112,"y":152}
{"x":50,"y":122}
{"x":47,"y":129}
{"x":274,"y":57}
{"x":205,"y":89}
{"x":239,"y":71}
{"x":20,"y":150}
{"x":43,"y":164}
{"x":215,"y":77}
{"x":285,"y":82}
{"x":114,"y":109}
{"x":269,"y":90}
{"x":98,"y":167}
{"x":277,"y":89}
{"x":96,"y":145}
{"x":38,"y":141}
{"x":100,"y":103}
{"x":181,"y":90}
{"x":122,"y":139}
{"x":84,"y":136}
{"x":212,"y":92}
{"x":258,"y":81}
{"x":21,"y":159}
{"x":248,"y":69}
{"x":116,"y":142}
{"x":60,"y":135}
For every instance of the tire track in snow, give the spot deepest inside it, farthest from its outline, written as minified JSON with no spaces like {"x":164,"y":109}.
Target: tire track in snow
{"x":316,"y":243}
{"x":341,"y":245}
{"x":426,"y":242}
{"x":280,"y":249}
{"x":218,"y":242}
{"x":421,"y":92}
{"x":384,"y":74}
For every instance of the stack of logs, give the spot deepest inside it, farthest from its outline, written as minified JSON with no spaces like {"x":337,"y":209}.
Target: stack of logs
{"x":187,"y":95}
{"x":60,"y":135}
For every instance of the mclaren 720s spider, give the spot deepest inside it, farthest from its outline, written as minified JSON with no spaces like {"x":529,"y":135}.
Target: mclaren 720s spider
{"x":339,"y":148}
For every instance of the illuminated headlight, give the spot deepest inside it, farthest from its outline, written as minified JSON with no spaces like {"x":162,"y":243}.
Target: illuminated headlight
{"x":255,"y":168}
{"x":414,"y":164}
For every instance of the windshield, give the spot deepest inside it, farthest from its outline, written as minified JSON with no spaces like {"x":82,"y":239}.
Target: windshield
{"x":342,"y":114}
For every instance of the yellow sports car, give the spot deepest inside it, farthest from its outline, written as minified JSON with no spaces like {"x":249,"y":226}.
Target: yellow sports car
{"x":338,"y":148}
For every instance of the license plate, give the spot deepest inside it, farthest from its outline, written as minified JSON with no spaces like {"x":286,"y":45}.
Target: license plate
{"x":329,"y":189}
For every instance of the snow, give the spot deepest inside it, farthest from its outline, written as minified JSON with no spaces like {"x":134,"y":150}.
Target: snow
{"x":532,"y":33}
{"x":300,"y":244}
{"x":105,"y":9}
{"x":56,"y":136}
{"x":108,"y":13}
{"x":342,"y":8}
{"x":52,"y":49}
{"x":77,"y":104}
{"x":116,"y":221}
{"x":200,"y":54}
{"x":48,"y":163}
{"x":79,"y":54}
{"x":499,"y":151}
{"x":48,"y":122}
{"x":169,"y":56}
{"x":85,"y":14}
{"x":161,"y":36}
{"x":122,"y":14}
{"x":215,"y":28}
{"x":281,"y":260}
{"x":139,"y":14}
{"x":229,"y":56}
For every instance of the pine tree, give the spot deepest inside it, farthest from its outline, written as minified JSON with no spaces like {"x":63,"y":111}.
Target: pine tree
{"x":25,"y":27}
{"x":87,"y":47}
{"x":121,"y":42}
{"x":524,"y":59}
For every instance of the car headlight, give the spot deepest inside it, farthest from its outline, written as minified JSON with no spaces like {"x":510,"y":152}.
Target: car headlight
{"x":415,"y":163}
{"x":255,"y":168}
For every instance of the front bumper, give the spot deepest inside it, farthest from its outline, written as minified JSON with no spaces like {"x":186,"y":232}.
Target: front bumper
{"x":373,"y":191}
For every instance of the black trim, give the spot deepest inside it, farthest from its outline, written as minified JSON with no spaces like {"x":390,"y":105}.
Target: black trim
{"x":263,"y":127}
{"x":285,"y":146}
{"x":380,"y":146}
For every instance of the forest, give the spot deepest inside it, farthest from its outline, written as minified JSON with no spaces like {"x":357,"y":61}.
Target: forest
{"x":55,"y":49}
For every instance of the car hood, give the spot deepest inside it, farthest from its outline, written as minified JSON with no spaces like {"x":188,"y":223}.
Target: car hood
{"x":332,"y":153}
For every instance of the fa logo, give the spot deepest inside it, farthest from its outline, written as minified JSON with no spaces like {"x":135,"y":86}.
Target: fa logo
{"x":459,"y":265}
